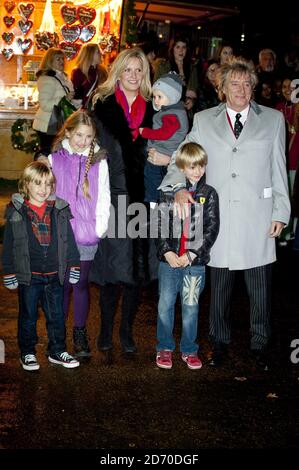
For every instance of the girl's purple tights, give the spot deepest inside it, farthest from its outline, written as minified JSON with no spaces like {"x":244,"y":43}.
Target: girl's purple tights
{"x":80,"y":295}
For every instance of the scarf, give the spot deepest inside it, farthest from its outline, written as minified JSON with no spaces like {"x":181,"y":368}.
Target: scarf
{"x":136,"y":115}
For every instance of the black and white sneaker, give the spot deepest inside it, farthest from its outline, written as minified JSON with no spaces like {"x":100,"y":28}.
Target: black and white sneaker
{"x":29,"y":362}
{"x":64,"y":359}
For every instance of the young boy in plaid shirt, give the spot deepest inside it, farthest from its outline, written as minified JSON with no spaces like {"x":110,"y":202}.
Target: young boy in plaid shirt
{"x":38,"y":247}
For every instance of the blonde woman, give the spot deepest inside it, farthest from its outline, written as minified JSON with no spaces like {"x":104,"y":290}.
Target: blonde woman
{"x":81,"y":171}
{"x":89,"y":72}
{"x":122,"y":105}
{"x":52,"y":84}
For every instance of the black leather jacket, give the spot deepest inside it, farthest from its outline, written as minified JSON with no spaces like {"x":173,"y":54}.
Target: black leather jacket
{"x":205,"y":217}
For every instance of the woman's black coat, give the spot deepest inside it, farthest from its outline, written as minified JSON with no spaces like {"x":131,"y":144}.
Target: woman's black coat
{"x":123,"y":259}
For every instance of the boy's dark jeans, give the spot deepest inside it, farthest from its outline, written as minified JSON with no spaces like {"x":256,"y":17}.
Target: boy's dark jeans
{"x":46,"y":290}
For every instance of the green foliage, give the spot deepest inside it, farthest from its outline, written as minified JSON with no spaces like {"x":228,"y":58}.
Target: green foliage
{"x":8,"y":184}
{"x":131,"y":23}
{"x":23,"y":137}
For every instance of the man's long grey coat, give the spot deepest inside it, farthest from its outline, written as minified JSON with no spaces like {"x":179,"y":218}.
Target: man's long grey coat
{"x":249,"y":174}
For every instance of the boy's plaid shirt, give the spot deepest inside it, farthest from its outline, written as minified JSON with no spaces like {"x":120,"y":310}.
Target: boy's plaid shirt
{"x":42,"y":227}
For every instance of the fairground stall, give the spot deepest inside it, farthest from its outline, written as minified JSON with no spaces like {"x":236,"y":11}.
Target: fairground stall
{"x":27,"y":30}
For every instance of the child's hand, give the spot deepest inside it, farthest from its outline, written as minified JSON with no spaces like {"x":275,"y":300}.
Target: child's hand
{"x":184,"y":261}
{"x":10,"y":281}
{"x":157,"y":158}
{"x":187,"y":259}
{"x":172,"y":259}
{"x":141,"y":130}
{"x":74,"y":275}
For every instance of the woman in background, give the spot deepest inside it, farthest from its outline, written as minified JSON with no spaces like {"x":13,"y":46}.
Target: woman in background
{"x":290,"y":110}
{"x":89,"y":72}
{"x":53,"y":84}
{"x":225,"y":54}
{"x":179,"y":61}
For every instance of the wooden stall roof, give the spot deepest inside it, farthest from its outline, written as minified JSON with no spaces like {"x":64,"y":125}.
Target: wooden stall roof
{"x":180,"y":12}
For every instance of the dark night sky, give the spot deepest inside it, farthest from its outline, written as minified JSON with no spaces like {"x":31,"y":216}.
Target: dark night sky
{"x":263,"y":17}
{"x":266,"y":24}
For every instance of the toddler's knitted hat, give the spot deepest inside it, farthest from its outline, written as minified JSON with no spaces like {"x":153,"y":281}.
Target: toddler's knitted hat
{"x":171,"y":85}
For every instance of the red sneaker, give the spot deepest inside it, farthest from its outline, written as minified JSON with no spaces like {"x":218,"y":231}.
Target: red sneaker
{"x":164,"y":359}
{"x":192,"y":360}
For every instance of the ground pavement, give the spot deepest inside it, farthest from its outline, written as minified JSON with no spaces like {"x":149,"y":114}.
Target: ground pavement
{"x":131,"y":404}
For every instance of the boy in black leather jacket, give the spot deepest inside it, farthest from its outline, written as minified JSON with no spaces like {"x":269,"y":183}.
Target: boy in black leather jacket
{"x":184,"y":250}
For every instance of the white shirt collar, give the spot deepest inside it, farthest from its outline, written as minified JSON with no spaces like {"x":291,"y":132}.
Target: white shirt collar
{"x":65,"y":144}
{"x":232,"y":115}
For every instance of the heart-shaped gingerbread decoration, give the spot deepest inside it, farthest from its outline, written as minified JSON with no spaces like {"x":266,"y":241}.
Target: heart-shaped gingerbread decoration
{"x":69,"y":14}
{"x":8,"y":53}
{"x":70,"y":33}
{"x":9,"y":6}
{"x":44,"y":40}
{"x":25,"y":26}
{"x":25,"y":45}
{"x":70,"y":50}
{"x":25,"y":9}
{"x":9,"y":21}
{"x":86,"y":15}
{"x":8,"y":37}
{"x":87,"y":33}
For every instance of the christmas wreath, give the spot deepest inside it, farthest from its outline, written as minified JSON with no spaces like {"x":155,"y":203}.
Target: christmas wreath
{"x":23,"y":137}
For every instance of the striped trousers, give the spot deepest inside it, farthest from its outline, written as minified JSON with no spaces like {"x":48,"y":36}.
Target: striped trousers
{"x":258,"y":284}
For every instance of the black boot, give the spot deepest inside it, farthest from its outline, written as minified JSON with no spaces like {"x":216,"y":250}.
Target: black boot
{"x":219,"y":354}
{"x":81,"y":347}
{"x":131,"y":296}
{"x":109,"y":295}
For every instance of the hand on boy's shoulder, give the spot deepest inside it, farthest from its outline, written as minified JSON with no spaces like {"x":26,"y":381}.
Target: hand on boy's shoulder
{"x":182,"y":199}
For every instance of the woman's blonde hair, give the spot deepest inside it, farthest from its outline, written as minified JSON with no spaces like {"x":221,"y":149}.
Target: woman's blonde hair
{"x":80,"y":117}
{"x":48,"y":60}
{"x":85,"y":57}
{"x":118,"y":67}
{"x":35,"y":172}
{"x":237,"y":65}
{"x":191,"y":154}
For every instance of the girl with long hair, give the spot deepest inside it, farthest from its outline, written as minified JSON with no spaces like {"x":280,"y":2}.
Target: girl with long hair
{"x":81,"y":170}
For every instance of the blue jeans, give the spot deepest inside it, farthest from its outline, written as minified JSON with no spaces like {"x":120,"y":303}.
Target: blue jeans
{"x":47,"y":290}
{"x":189,"y":282}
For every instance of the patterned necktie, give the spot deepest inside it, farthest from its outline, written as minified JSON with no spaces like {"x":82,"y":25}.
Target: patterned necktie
{"x":238,"y":126}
